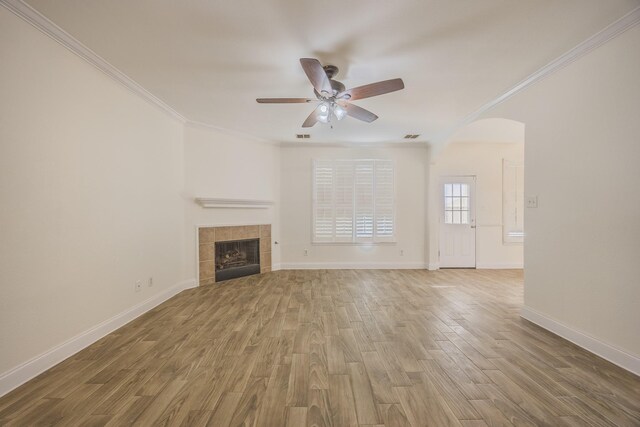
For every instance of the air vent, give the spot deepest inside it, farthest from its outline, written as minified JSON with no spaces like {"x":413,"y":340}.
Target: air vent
{"x":303,"y":136}
{"x":411,"y":136}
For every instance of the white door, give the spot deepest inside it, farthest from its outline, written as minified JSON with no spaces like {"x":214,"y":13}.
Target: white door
{"x":457,"y":222}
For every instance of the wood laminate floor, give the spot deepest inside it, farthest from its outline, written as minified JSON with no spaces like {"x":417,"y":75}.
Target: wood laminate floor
{"x":334,"y":348}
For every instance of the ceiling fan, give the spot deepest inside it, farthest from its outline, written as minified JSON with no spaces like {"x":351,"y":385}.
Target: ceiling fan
{"x":333,"y":99}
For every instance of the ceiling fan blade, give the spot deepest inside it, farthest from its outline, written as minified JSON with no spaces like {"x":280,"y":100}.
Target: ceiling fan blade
{"x":359,"y":112}
{"x":373,"y":89}
{"x":312,"y":119}
{"x":284,"y":100}
{"x":318,"y":77}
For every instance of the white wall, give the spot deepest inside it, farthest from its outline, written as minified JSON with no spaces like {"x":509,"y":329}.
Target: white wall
{"x":97,"y":188}
{"x":296,"y":216}
{"x":222,"y":165}
{"x":90,"y":182}
{"x":582,"y":160}
{"x":484,"y":160}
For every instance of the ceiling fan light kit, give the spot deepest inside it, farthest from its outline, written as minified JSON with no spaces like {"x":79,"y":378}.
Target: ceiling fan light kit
{"x":334,"y":99}
{"x":327,"y":110}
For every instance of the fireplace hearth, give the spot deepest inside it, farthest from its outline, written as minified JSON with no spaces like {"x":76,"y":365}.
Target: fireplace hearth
{"x":237,"y":258}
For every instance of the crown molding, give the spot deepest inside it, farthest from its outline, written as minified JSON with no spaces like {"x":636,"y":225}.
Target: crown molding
{"x":611,"y":31}
{"x":45,"y":25}
{"x":42,"y":23}
{"x":230,"y":132}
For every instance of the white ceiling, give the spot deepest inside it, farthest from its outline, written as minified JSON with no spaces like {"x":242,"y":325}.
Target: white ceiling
{"x":495,"y":130}
{"x":210,"y":59}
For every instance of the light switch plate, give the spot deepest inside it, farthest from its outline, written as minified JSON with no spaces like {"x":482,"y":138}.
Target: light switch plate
{"x":532,"y":201}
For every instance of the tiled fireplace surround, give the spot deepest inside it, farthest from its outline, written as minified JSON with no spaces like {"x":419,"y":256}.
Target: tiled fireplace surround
{"x":208,"y":236}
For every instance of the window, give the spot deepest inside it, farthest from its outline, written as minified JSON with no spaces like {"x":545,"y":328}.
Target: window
{"x":353,"y":201}
{"x":456,"y":203}
{"x":512,"y":202}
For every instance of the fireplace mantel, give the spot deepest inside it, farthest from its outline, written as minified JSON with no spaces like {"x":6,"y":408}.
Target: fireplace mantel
{"x":208,"y":202}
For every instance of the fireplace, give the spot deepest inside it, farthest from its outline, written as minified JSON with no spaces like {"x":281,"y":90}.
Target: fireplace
{"x":237,"y":258}
{"x":212,"y":268}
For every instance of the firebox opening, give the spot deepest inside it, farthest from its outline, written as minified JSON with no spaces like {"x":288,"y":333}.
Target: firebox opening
{"x":237,"y":258}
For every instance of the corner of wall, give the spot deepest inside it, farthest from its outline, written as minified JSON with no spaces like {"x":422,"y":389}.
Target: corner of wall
{"x":30,"y":369}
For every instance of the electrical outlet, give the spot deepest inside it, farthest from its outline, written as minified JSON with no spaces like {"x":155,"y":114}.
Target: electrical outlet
{"x":150,"y":283}
{"x":532,"y":202}
{"x":138,"y":286}
{"x":306,"y":252}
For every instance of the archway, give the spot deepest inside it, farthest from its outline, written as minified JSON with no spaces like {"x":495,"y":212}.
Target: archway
{"x":489,"y":155}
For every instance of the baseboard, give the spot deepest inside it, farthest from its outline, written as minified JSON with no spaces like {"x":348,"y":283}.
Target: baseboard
{"x":433,"y":266}
{"x":352,"y":265}
{"x":275,"y":267}
{"x":498,"y":265}
{"x":30,"y":369}
{"x":614,"y":355}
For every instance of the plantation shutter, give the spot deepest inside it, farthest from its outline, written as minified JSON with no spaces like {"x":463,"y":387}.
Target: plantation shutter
{"x":384,"y":201}
{"x":353,"y":201}
{"x":343,"y":199}
{"x":323,"y":228}
{"x":364,"y":196}
{"x":512,"y":201}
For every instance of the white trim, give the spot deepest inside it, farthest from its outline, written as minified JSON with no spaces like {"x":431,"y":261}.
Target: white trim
{"x":24,"y":372}
{"x":197,"y":252}
{"x":207,"y":202}
{"x":601,"y":37}
{"x":387,"y":144}
{"x":499,"y":265}
{"x":614,"y":355}
{"x":352,"y":265}
{"x":42,"y":23}
{"x":432,"y":266}
{"x":230,"y":132}
{"x":275,"y":267}
{"x":358,"y":243}
{"x":225,"y":224}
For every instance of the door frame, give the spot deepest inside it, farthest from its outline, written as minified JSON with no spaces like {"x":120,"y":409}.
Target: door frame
{"x":472,"y":208}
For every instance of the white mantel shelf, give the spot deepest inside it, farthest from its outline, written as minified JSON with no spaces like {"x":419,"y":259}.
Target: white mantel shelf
{"x":207,"y":202}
